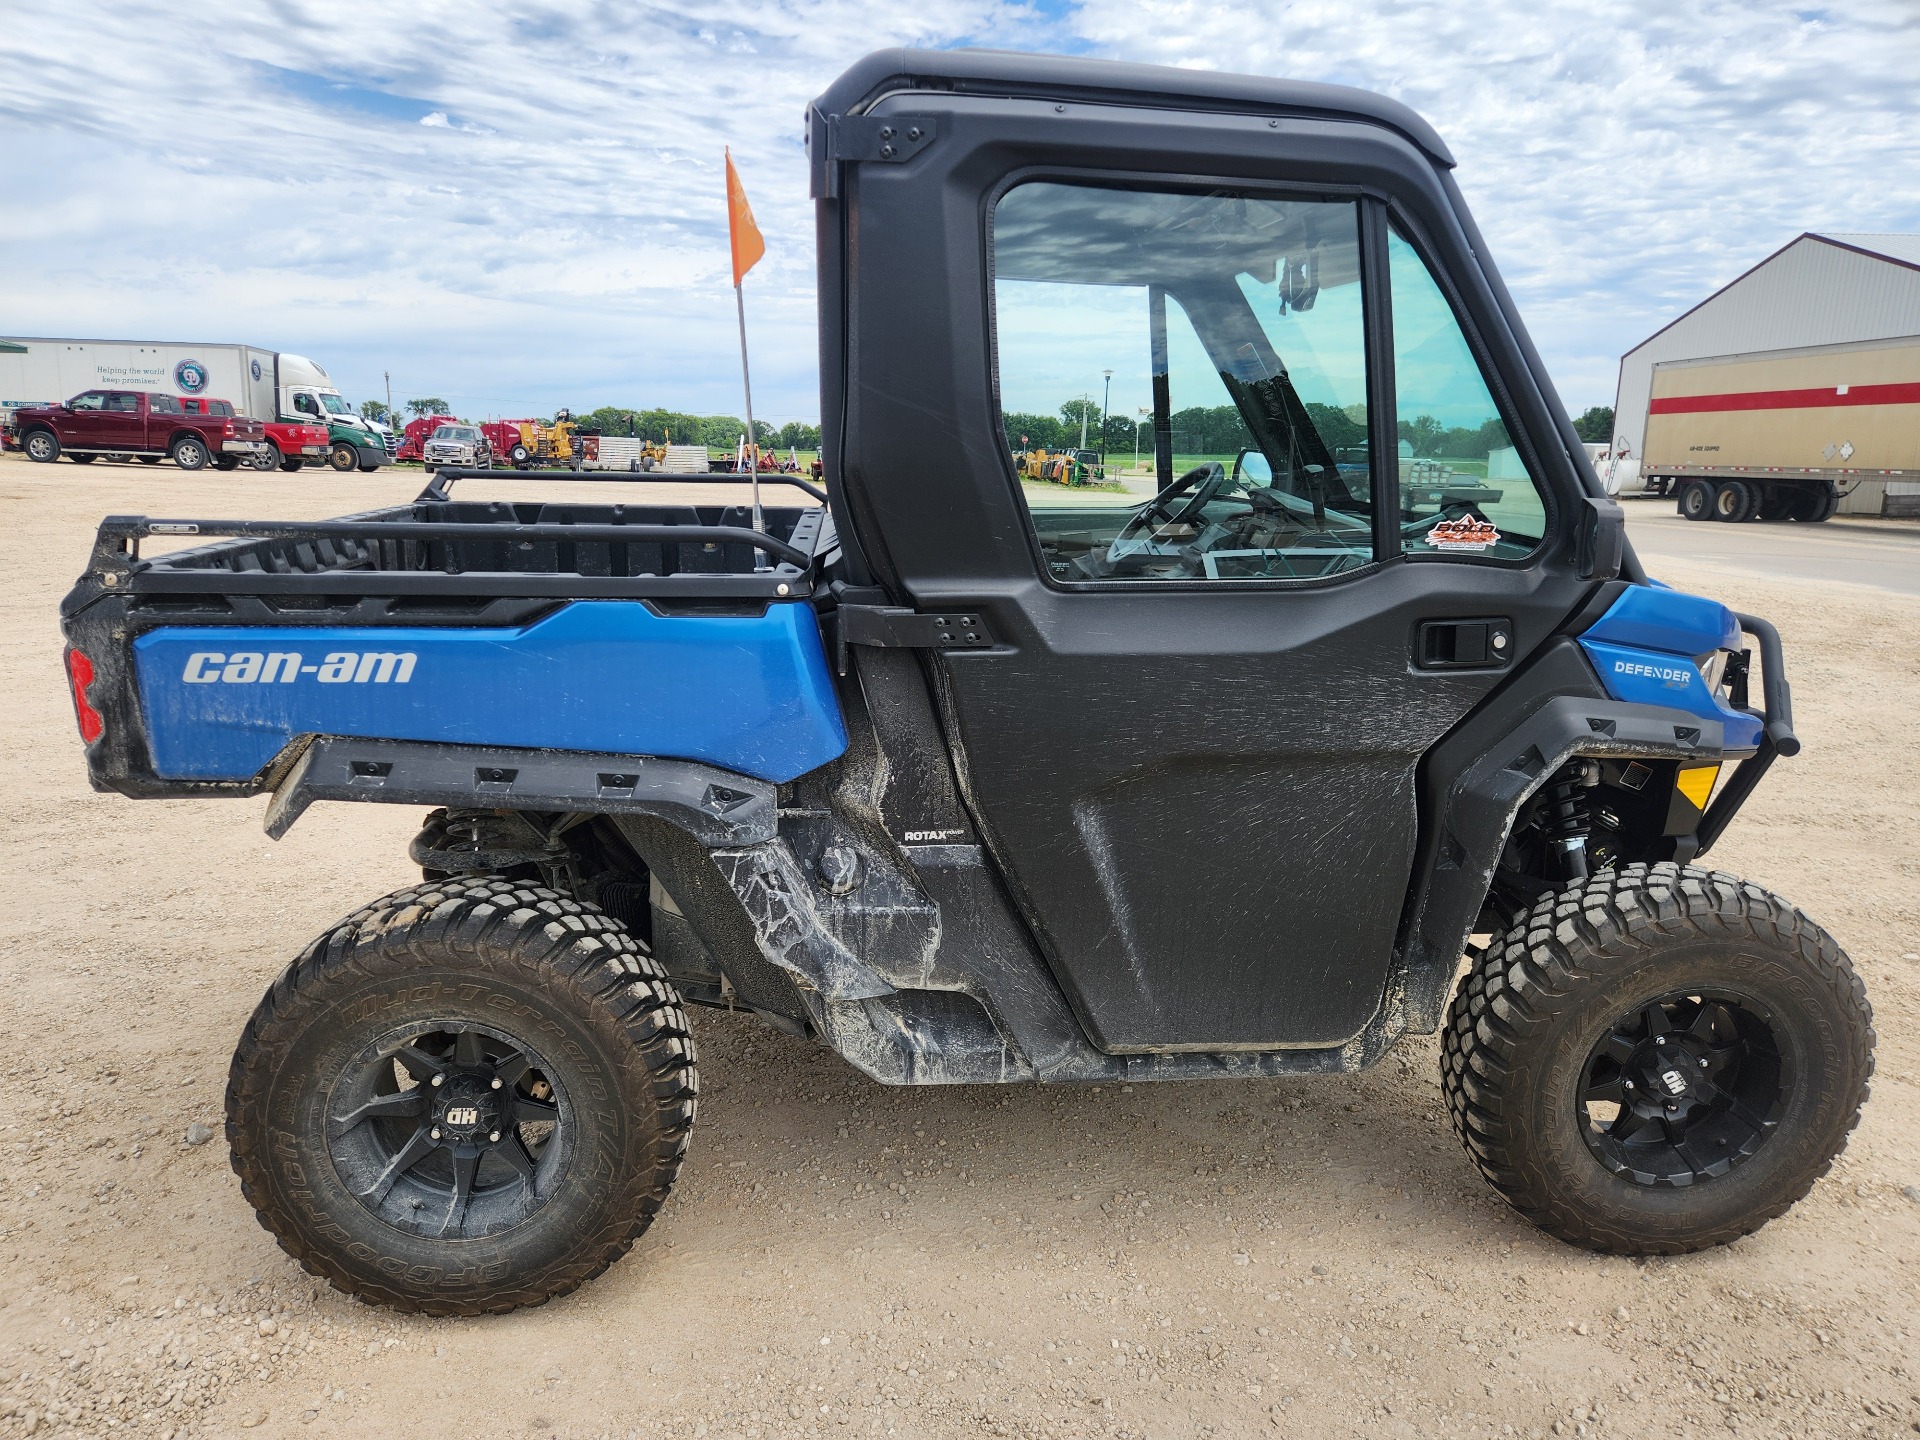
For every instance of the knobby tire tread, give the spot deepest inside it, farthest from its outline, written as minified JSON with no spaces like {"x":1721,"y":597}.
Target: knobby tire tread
{"x":490,"y":922}
{"x":1519,"y":982}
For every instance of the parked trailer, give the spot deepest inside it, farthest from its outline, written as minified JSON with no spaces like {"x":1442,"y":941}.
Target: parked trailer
{"x":1787,"y":435}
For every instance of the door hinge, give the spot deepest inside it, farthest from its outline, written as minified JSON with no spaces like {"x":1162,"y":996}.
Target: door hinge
{"x":836,"y":140}
{"x":892,"y":627}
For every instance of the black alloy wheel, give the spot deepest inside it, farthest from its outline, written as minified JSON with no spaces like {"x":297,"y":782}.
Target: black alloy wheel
{"x":1684,"y":1088}
{"x":1657,"y":1059}
{"x":467,"y":1097}
{"x":452,"y":1131}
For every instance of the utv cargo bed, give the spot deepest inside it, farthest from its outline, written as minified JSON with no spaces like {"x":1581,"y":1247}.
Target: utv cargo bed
{"x":600,"y":628}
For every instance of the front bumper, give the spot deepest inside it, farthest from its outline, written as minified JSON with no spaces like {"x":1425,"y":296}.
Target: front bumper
{"x":371,"y":455}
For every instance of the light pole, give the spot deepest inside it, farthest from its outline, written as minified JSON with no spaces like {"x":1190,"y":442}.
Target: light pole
{"x":1086,"y":405}
{"x":1140,"y":418}
{"x":1106,"y":394}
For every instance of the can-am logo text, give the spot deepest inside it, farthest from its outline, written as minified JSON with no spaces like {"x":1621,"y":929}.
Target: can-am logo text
{"x":339,"y":667}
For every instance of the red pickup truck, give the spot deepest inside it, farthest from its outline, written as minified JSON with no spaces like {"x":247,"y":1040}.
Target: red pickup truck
{"x":134,"y":422}
{"x":290,"y":443}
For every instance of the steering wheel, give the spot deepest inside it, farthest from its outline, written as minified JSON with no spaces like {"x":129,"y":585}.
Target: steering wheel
{"x":1205,"y":481}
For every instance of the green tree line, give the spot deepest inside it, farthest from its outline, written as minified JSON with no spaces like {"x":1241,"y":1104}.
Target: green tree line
{"x":717,"y":432}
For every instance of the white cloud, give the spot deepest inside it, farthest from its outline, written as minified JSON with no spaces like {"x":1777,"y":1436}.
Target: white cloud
{"x":519,"y":207}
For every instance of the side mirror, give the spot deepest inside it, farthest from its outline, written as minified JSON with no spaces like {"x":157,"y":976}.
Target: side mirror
{"x":1602,"y":539}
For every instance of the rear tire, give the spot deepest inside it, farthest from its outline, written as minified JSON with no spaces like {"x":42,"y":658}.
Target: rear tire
{"x":41,"y":445}
{"x":226,"y":462}
{"x":290,"y":463}
{"x":83,"y":459}
{"x":1761,"y":1075}
{"x":264,"y":460}
{"x":540,"y":1014}
{"x":1735,"y":501}
{"x":1697,"y":500}
{"x":190,"y":453}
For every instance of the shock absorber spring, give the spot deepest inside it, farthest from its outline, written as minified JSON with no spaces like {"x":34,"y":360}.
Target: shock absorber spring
{"x":1565,"y":819}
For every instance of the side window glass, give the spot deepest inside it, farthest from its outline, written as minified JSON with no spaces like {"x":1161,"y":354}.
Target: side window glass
{"x":1464,"y":489}
{"x":92,"y":400}
{"x":303,"y":402}
{"x":1182,"y":381}
{"x":166,"y":405}
{"x":123,"y":404}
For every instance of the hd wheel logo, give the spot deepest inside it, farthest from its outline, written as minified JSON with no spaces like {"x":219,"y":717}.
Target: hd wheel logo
{"x":463,"y":1115}
{"x":285,"y":667}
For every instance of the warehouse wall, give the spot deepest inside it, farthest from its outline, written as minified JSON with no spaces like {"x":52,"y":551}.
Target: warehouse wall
{"x":1811,"y":293}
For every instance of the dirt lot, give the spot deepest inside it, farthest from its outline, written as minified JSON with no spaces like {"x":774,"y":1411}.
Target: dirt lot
{"x":1302,"y":1258}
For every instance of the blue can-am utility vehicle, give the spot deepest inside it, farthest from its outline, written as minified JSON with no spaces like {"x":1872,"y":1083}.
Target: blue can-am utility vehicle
{"x":1217,"y":770}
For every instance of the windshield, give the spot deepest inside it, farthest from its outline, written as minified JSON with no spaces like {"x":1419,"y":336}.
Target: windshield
{"x":456,"y":432}
{"x":336,"y":404}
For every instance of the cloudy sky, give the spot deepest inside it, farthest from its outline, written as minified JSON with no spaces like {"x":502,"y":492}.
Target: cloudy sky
{"x":519,"y":205}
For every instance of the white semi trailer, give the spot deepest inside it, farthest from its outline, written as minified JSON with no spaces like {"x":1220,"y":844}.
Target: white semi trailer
{"x":265,"y":384}
{"x":1788,"y":434}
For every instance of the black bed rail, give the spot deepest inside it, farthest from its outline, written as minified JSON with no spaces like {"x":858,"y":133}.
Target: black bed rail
{"x":131,"y":529}
{"x":437,"y":486}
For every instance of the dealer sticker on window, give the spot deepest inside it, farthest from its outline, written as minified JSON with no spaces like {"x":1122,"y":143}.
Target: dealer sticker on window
{"x":1466,"y":533}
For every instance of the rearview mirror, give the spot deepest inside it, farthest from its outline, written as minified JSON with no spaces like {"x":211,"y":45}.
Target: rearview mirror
{"x":1253,"y":465}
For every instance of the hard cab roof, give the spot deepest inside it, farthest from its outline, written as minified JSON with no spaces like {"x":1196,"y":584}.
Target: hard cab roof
{"x":1112,"y":82}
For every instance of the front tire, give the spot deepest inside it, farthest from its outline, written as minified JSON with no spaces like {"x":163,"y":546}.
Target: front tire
{"x":41,"y":445}
{"x":471,"y":1096}
{"x":1658,"y":1060}
{"x":343,"y":458}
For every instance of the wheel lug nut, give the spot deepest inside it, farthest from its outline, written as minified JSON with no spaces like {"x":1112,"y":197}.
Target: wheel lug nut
{"x":438,"y":1078}
{"x":1626,"y":1084}
{"x":1703,"y":1062}
{"x":496,"y":1079}
{"x":494,"y":1136}
{"x":1659,"y":1039}
{"x":436,"y":1134}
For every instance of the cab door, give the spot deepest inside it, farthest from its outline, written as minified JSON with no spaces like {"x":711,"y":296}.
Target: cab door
{"x":80,"y":422}
{"x":1192,"y":748}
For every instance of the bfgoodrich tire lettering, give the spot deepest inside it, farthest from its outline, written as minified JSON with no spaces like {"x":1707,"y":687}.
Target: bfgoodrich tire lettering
{"x":564,"y":982}
{"x":1544,"y":994}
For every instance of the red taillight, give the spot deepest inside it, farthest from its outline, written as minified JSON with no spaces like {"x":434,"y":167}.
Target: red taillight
{"x":80,"y":673}
{"x":229,"y":427}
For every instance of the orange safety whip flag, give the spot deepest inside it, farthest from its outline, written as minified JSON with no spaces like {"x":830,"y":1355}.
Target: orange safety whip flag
{"x":748,"y":245}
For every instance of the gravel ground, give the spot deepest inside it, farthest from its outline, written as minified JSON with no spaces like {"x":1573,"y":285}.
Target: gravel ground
{"x":1304,"y":1257}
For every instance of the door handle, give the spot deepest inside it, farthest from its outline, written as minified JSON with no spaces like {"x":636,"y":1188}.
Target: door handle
{"x":1480,"y":644}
